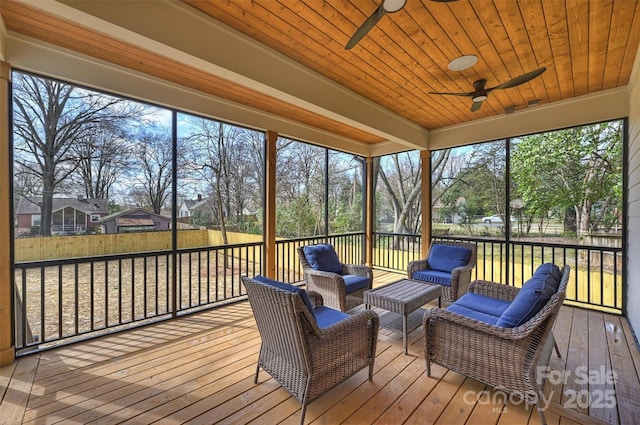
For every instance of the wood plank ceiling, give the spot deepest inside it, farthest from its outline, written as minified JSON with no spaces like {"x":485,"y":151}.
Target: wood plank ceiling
{"x":586,"y":46}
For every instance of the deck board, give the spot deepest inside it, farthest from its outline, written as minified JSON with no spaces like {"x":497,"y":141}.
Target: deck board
{"x":199,"y":369}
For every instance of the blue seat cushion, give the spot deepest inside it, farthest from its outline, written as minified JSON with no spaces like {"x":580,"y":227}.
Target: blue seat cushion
{"x":532,"y":297}
{"x":322,"y":257}
{"x":327,"y":316}
{"x":483,"y":304}
{"x":289,"y":288}
{"x":354,"y":283}
{"x":447,"y":257}
{"x":473,"y":314}
{"x":433,"y":276}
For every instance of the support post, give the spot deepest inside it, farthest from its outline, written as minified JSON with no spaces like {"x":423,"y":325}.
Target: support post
{"x":7,"y":347}
{"x":369,"y":213}
{"x":270,"y":255}
{"x":425,"y":163}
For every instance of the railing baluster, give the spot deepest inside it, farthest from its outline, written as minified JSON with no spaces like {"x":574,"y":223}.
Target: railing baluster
{"x":133,"y":289}
{"x":60,"y":300}
{"x":76,"y":294}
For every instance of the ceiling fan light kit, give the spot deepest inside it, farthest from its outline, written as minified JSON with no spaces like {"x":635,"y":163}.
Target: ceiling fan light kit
{"x":463,"y":62}
{"x":391,"y":6}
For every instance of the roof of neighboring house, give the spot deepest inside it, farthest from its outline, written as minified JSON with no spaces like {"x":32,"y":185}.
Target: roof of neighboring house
{"x":31,"y":205}
{"x":130,"y":214}
{"x":199,"y":204}
{"x":189,"y":203}
{"x":124,"y":221}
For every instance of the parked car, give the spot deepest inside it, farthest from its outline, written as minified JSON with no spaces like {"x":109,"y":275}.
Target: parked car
{"x":495,"y":219}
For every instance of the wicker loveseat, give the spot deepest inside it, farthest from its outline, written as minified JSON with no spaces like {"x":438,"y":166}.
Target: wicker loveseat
{"x":448,"y":263}
{"x":307,"y":347}
{"x":342,"y":286}
{"x":498,"y":334}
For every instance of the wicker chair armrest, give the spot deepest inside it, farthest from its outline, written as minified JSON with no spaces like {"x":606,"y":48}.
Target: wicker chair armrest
{"x":330,"y":285}
{"x":461,"y":269}
{"x":325,"y":280}
{"x":322,"y":274}
{"x":460,"y":278}
{"x":358,"y":270}
{"x":315,"y":298}
{"x":416,"y":265}
{"x":493,"y":290}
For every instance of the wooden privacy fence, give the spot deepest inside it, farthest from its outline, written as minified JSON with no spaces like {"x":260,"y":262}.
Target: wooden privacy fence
{"x":58,"y":247}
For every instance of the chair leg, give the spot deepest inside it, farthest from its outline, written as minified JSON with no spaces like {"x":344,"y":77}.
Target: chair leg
{"x":543,"y":420}
{"x":304,"y":400}
{"x":255,"y":379}
{"x":304,"y":411}
{"x":541,"y":405}
{"x":426,"y":347}
{"x":555,"y":345}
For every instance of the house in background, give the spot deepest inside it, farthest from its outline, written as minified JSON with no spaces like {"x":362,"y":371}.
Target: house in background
{"x":201,"y":207}
{"x":441,"y":213}
{"x":70,"y":216}
{"x":135,"y":220}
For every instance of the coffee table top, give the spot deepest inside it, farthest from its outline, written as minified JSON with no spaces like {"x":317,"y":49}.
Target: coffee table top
{"x":403,"y":296}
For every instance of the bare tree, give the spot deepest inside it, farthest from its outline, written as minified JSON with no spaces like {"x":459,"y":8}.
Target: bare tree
{"x":401,"y":178}
{"x":211,"y":145}
{"x":154,"y":155}
{"x":102,"y":159}
{"x":25,"y":183}
{"x":50,"y":119}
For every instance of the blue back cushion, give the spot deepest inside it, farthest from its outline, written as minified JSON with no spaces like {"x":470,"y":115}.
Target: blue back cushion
{"x":322,"y":257}
{"x":533,"y":295}
{"x":289,"y":288}
{"x":447,"y":257}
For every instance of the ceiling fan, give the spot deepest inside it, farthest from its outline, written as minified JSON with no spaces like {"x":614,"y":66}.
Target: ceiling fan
{"x":387,"y":6}
{"x":480,"y":93}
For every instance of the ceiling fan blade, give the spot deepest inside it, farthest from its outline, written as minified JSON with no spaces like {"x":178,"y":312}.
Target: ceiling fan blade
{"x":371,"y":22}
{"x":475,"y":106}
{"x":520,"y":80}
{"x":453,"y":94}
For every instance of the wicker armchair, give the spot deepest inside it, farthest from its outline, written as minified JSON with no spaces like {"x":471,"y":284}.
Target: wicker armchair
{"x":504,"y":357}
{"x":342,"y":287}
{"x":308,"y":351}
{"x":455,"y":282}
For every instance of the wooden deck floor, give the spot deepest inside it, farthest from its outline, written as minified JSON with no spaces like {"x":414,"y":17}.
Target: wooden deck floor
{"x":199,"y":370}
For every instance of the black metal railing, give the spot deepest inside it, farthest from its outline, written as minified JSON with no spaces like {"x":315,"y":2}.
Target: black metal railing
{"x":60,"y":301}
{"x":64,"y":300}
{"x":596,"y":272}
{"x":393,"y":251}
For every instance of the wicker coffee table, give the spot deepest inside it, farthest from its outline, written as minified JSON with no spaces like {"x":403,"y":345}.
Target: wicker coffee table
{"x":403,"y":297}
